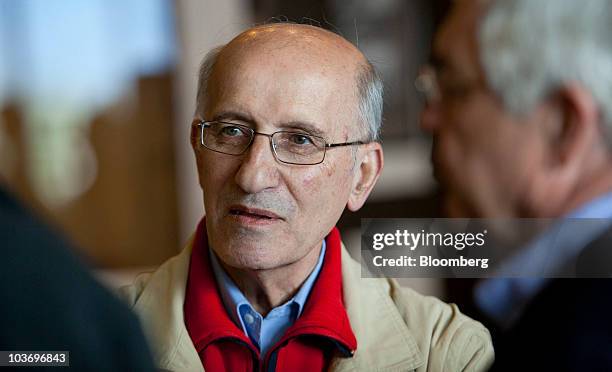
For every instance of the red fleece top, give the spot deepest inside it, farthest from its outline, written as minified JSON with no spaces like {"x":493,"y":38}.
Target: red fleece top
{"x":308,"y":345}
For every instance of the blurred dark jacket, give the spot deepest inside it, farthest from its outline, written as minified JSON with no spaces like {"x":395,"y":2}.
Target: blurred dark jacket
{"x":50,"y":302}
{"x":568,"y":325}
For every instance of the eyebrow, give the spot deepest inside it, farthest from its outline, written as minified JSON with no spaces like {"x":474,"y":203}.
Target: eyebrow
{"x":306,"y":127}
{"x":233,"y":115}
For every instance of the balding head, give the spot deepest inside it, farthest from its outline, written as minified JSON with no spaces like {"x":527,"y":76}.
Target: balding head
{"x":303,"y":50}
{"x":305,"y":38}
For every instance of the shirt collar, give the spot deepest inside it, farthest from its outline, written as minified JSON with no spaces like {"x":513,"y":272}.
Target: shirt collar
{"x":302,"y":295}
{"x":600,"y":207}
{"x":233,"y":298}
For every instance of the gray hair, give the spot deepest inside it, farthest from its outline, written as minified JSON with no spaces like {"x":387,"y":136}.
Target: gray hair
{"x":530,"y":48}
{"x":369,"y":90}
{"x":205,"y":71}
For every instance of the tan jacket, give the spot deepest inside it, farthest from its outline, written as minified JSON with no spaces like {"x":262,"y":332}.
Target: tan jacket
{"x":396,"y":328}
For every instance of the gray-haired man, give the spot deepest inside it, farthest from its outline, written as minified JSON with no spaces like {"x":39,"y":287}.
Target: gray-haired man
{"x":520,"y":106}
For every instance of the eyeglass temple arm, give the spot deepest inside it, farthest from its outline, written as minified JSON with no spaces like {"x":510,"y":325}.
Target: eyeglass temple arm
{"x":344,"y":144}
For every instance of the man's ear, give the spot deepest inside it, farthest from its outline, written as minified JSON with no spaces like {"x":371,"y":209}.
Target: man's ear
{"x":367,"y":170}
{"x":579,"y":132}
{"x":573,"y":140}
{"x":580,"y":127}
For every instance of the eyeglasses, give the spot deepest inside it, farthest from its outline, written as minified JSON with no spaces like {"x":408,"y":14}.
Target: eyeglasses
{"x":435,"y":88}
{"x":426,"y":83}
{"x":299,"y":148}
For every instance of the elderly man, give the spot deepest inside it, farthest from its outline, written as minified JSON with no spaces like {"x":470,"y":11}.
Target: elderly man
{"x":285,"y":137}
{"x":520,"y":106}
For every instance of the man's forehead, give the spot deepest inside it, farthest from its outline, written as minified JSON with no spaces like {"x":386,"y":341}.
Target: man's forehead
{"x":319,"y":109}
{"x":299,"y":81}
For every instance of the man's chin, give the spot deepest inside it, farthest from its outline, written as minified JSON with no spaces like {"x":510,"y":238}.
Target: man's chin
{"x":252,"y":259}
{"x":246,"y":243}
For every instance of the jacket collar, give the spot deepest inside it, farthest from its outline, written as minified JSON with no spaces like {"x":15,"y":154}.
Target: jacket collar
{"x":160,"y":306}
{"x":385,"y":342}
{"x":324,"y":312}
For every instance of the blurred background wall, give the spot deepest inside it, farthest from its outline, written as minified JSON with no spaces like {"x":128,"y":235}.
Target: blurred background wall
{"x":96,"y":97}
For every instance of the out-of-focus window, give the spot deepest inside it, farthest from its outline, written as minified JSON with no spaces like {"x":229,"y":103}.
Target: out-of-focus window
{"x":62,"y":61}
{"x":86,"y":103}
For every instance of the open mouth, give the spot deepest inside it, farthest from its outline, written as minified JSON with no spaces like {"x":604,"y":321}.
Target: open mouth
{"x":253,"y":213}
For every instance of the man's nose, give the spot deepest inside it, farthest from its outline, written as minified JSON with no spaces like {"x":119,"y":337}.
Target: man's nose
{"x":259,"y":168}
{"x":430,"y":117}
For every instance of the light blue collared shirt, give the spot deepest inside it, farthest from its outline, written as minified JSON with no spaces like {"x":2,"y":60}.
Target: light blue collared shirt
{"x":504,"y":299}
{"x":264,"y":332}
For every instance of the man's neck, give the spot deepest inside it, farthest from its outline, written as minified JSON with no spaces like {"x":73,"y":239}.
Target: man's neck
{"x":267,"y":289}
{"x":594,"y":180}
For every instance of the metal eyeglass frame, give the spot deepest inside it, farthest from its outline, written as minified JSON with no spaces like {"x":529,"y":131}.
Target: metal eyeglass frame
{"x":206,"y":124}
